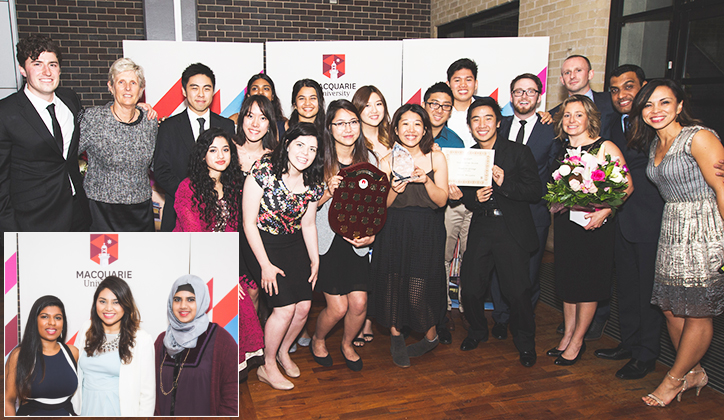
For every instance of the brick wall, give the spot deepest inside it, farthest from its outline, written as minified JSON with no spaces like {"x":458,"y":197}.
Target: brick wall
{"x":312,"y":20}
{"x":91,"y":35}
{"x":574,"y":27}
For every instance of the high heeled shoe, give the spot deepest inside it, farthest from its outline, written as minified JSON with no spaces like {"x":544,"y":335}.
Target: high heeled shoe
{"x":292,"y":372}
{"x":659,"y":402}
{"x":699,"y":385}
{"x":284,"y":385}
{"x":562,"y":361}
{"x":554,"y":352}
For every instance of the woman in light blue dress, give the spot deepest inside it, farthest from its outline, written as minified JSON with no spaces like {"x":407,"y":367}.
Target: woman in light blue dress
{"x":116,"y":375}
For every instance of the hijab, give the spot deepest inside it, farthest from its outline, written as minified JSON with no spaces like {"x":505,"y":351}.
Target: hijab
{"x":179,"y":335}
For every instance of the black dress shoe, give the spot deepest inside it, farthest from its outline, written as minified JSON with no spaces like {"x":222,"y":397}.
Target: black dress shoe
{"x":444,"y":336}
{"x":617,"y":353}
{"x":595,"y":330}
{"x":528,"y":358}
{"x":355,"y":366}
{"x":324,"y":361}
{"x":562,"y":361}
{"x":469,"y":344}
{"x":500,"y":331}
{"x":554,"y":352}
{"x":561,"y":328}
{"x":636,"y":369}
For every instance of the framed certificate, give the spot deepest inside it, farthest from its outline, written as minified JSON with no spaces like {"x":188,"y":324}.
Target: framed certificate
{"x":470,"y":167}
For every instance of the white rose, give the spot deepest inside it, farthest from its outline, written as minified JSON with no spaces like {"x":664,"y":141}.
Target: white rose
{"x":564,"y":170}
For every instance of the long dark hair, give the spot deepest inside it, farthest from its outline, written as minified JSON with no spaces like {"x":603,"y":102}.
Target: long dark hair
{"x":360,"y":152}
{"x":314,"y":173}
{"x":319,"y":118}
{"x":641,"y":134}
{"x":278,"y":112}
{"x":205,"y":198}
{"x":360,"y":99}
{"x":427,"y":141}
{"x":31,"y":347}
{"x":130,"y":323}
{"x":269,"y":141}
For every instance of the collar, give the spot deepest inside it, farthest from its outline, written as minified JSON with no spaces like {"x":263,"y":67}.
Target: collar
{"x":194,"y":117}
{"x":529,"y":122}
{"x":37,"y":101}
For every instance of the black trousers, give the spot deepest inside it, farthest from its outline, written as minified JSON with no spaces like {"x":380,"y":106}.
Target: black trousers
{"x":639,"y":320}
{"x":491,"y":246}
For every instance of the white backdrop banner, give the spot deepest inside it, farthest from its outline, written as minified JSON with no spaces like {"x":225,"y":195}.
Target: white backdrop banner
{"x":499,"y":61}
{"x":163,"y":62}
{"x":340,"y":67}
{"x":71,"y":265}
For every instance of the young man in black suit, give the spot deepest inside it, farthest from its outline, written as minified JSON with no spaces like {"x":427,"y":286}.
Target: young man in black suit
{"x":502,"y":233}
{"x":41,"y":188}
{"x":177,"y":135}
{"x":525,"y":127}
{"x":638,"y":224}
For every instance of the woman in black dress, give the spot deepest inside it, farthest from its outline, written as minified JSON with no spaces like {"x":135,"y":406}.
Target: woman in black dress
{"x":584,"y":255}
{"x":42,"y":366}
{"x":344,"y":263}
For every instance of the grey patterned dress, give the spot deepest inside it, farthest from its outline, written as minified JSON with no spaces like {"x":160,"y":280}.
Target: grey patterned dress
{"x":692,"y":230}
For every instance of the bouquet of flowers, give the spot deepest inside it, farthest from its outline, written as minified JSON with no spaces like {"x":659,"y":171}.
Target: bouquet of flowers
{"x":586,"y":181}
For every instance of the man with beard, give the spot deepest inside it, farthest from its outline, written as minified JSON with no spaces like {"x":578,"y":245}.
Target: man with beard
{"x":525,"y":127}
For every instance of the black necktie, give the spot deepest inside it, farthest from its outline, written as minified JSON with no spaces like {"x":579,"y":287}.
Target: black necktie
{"x":521,"y":132}
{"x":626,"y":125}
{"x":201,"y":125}
{"x":57,"y":132}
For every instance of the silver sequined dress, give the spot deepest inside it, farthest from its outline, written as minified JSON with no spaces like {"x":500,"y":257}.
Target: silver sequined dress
{"x":690,"y":246}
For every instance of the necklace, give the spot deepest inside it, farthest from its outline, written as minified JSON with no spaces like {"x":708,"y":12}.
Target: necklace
{"x":110,"y":345}
{"x":175,"y":381}
{"x":133,"y":114}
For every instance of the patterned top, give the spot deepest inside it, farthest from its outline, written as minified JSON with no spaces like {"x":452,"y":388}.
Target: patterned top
{"x":281,"y":210}
{"x":678,"y":176}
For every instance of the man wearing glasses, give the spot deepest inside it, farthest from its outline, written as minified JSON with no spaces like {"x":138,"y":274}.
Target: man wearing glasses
{"x":525,"y":127}
{"x":439,"y":104}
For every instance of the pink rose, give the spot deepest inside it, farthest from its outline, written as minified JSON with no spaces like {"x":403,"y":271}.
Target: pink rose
{"x":598,"y":175}
{"x":557,"y":176}
{"x":574,"y":159}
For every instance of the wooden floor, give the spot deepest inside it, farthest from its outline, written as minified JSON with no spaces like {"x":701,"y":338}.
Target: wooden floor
{"x":485,"y":383}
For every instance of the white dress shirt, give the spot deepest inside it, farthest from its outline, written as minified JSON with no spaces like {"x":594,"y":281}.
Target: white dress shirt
{"x":194,"y":119}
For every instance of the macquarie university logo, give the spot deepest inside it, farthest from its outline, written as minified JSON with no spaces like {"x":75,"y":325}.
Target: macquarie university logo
{"x":333,"y":65}
{"x":104,"y":249}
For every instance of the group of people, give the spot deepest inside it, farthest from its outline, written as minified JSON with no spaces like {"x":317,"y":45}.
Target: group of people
{"x":274,"y":179}
{"x":115,"y":368}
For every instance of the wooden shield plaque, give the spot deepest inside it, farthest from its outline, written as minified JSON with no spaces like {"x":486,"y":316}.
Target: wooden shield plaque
{"x":359,"y":204}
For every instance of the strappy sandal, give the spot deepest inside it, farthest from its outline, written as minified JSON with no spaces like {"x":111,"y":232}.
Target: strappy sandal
{"x":659,"y":401}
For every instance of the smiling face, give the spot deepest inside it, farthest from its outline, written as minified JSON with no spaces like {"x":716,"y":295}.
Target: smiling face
{"x":307,"y":104}
{"x":484,"y":126}
{"x":42,"y":75}
{"x":345,"y":128}
{"x":218,"y":157}
{"x":661,"y":109}
{"x":575,"y":119}
{"x":261,"y":87}
{"x":110,"y":311}
{"x":525,"y":105}
{"x":199,"y":92}
{"x":50,"y":323}
{"x":184,"y":306}
{"x":576,"y":75}
{"x":623,"y":91}
{"x":410,"y":129}
{"x":438,"y":117}
{"x":126,"y":89}
{"x":463,"y":85}
{"x":255,"y":124}
{"x":374,"y":111}
{"x":302,"y":151}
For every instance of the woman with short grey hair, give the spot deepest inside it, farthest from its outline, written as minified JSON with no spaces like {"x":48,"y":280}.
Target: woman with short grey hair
{"x":120,"y":141}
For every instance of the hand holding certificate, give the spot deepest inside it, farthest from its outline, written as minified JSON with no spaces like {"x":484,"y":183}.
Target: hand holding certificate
{"x":470,"y":167}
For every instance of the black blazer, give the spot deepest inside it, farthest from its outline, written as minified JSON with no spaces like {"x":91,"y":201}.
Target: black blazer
{"x":545,"y":148}
{"x":605,"y":107}
{"x":640,"y":216}
{"x":35,"y":178}
{"x":521,"y":187}
{"x":174,"y":143}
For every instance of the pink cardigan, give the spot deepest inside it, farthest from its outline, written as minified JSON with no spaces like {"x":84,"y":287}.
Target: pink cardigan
{"x":188,"y":218}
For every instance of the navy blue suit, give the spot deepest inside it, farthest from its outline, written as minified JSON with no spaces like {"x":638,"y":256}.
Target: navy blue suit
{"x":638,"y":223}
{"x":545,"y":150}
